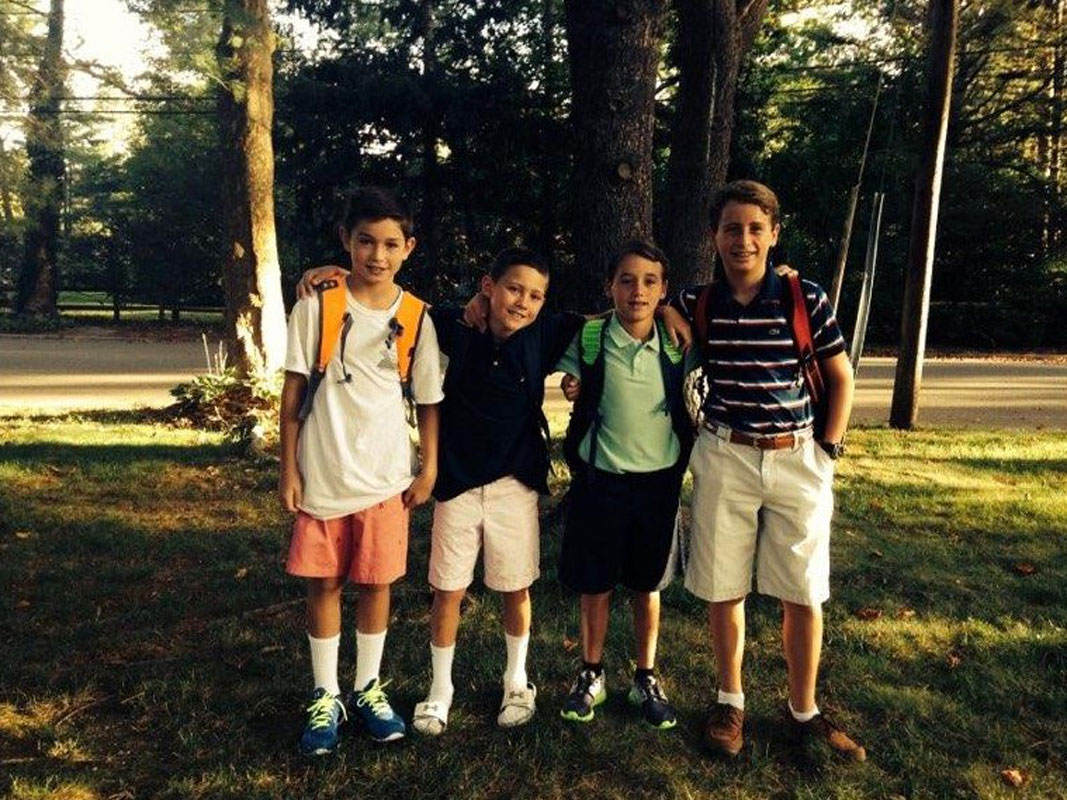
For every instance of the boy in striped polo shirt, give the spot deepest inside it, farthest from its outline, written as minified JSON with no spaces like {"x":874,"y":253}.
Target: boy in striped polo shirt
{"x":762,"y":485}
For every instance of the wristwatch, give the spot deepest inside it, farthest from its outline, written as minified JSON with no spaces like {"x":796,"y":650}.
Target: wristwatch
{"x":833,"y":449}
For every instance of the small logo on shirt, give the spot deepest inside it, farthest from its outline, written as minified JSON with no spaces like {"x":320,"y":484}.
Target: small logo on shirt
{"x":775,"y":331}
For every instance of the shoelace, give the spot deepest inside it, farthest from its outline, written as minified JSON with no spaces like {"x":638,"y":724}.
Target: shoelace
{"x":321,"y":712}
{"x":652,"y":691}
{"x":585,"y":682}
{"x":376,"y":699}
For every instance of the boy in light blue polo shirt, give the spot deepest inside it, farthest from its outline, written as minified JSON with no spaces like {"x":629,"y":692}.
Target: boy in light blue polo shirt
{"x":628,"y":444}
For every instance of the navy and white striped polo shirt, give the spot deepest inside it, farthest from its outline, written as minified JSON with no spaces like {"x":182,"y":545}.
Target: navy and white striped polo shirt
{"x":755,"y":384}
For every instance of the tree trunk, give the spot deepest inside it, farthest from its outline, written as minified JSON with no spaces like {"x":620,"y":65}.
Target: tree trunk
{"x":6,"y":202}
{"x":38,"y":285}
{"x":429,"y":232}
{"x":1054,"y":236}
{"x":255,"y":316}
{"x":614,"y":48}
{"x":713,"y":38}
{"x":943,"y":21}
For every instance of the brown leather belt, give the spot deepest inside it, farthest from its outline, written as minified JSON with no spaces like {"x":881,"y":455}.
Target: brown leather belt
{"x":778,"y":441}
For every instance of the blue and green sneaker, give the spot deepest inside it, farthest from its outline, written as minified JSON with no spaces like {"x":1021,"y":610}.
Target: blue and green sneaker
{"x":373,"y":710}
{"x":655,"y":708}
{"x":325,"y":715}
{"x":587,"y":692}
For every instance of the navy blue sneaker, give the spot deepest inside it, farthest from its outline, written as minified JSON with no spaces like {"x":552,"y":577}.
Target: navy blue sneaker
{"x":587,"y":692}
{"x":656,"y":709}
{"x":373,"y":709}
{"x":321,"y":733}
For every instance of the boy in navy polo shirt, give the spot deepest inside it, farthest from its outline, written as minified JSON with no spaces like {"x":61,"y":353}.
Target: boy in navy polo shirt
{"x":762,"y":486}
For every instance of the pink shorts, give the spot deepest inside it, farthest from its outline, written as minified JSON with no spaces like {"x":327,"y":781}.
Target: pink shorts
{"x":370,"y":546}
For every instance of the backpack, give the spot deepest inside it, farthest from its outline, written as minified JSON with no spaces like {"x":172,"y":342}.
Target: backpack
{"x":586,"y":412}
{"x":334,"y":324}
{"x":796,"y":312}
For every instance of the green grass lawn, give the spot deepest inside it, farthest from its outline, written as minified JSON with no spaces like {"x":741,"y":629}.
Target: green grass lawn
{"x":153,"y":647}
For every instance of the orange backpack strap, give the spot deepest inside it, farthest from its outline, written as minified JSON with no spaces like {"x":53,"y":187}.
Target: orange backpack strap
{"x":332,"y":318}
{"x":408,"y":327}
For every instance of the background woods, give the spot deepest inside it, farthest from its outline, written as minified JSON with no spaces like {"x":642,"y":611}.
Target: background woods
{"x":567,"y":126}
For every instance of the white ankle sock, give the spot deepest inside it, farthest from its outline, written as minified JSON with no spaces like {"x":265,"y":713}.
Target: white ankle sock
{"x":803,"y":716}
{"x":735,"y":699}
{"x":324,"y":662}
{"x":441,"y":662}
{"x":369,"y":648}
{"x":515,"y":672}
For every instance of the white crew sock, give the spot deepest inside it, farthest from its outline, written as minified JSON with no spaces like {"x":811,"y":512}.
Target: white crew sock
{"x":803,"y":716}
{"x":441,"y":684}
{"x":515,"y":672}
{"x":324,"y":662}
{"x":369,"y":648}
{"x":735,"y":699}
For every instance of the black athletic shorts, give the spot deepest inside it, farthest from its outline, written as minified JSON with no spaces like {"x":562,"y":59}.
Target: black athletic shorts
{"x":620,"y":529}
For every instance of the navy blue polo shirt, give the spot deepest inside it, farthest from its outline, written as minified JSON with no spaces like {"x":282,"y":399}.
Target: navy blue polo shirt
{"x":490,"y":417}
{"x":755,"y":383}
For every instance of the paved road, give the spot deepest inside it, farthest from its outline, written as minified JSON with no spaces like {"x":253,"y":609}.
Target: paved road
{"x":55,"y":373}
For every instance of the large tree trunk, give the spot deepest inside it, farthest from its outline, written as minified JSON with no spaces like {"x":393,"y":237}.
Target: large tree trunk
{"x":713,"y":38}
{"x":943,"y":23}
{"x":255,"y":316}
{"x":614,"y":50}
{"x":429,"y":232}
{"x":1054,"y":226}
{"x":38,"y":284}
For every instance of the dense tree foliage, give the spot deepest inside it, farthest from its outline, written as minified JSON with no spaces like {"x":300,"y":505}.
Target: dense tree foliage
{"x":466,"y":106}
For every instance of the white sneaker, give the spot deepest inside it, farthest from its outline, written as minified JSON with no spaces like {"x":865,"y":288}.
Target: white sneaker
{"x":517,"y":707}
{"x":431,"y":717}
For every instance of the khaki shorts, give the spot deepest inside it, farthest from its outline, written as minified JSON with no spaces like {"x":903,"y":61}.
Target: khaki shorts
{"x":370,"y":546}
{"x":499,"y":518}
{"x":768,"y":507}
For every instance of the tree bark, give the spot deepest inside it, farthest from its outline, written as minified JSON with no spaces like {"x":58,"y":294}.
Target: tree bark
{"x":429,"y":233}
{"x":1054,"y":237}
{"x":38,"y":280}
{"x":713,"y":38}
{"x":614,"y":48}
{"x":255,"y":317}
{"x":943,"y":23}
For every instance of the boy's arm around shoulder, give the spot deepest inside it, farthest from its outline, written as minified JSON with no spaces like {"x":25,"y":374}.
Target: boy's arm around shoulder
{"x":290,"y":485}
{"x":426,"y":387}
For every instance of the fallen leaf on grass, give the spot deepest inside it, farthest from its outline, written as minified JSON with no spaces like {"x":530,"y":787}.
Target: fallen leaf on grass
{"x":868,"y":613}
{"x":22,"y":534}
{"x":1025,"y":568}
{"x":22,"y":604}
{"x":1015,"y":777}
{"x":241,"y":573}
{"x":53,"y":469}
{"x":906,"y":613}
{"x":569,"y":644}
{"x":953,"y":659}
{"x":878,"y":554}
{"x":271,"y":648}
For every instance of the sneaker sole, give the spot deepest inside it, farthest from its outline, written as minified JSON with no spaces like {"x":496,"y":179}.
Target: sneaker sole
{"x":392,"y":737}
{"x":574,"y":716}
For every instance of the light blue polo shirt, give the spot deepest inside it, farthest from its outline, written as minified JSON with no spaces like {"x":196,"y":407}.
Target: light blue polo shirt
{"x":636,"y":434}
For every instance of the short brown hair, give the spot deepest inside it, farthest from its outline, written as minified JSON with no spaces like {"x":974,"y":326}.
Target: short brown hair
{"x":373,"y":203}
{"x":744,"y":191}
{"x":642,"y":248}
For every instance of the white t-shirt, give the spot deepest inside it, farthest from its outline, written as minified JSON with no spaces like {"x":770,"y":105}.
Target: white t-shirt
{"x":354,"y":449}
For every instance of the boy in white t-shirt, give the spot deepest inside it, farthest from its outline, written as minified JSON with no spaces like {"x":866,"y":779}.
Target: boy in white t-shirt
{"x":346,"y":470}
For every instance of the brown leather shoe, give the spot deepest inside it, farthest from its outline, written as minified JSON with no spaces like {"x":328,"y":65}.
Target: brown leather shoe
{"x":822,"y":729}
{"x":722,"y":731}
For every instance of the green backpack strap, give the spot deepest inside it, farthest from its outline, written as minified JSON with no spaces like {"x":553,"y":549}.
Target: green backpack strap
{"x":589,"y":344}
{"x":674,"y":354}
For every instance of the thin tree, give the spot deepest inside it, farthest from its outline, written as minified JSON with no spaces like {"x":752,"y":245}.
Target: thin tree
{"x":43,"y":202}
{"x":712,"y":40}
{"x":255,"y":316}
{"x":614,"y":48}
{"x":943,"y":24}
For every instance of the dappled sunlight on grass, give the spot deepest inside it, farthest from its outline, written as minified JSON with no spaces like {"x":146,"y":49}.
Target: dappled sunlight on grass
{"x":158,"y":649}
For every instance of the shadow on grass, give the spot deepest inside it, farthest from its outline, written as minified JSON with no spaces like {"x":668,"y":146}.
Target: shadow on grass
{"x":115,"y":455}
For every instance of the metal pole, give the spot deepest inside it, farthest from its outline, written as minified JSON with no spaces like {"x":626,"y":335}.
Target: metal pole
{"x":867,"y":292}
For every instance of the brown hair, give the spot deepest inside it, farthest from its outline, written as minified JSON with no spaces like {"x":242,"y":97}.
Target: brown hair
{"x":639,"y":247}
{"x":744,"y":192}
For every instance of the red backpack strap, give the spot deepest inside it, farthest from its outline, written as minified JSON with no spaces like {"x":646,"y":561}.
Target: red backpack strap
{"x":800,"y":323}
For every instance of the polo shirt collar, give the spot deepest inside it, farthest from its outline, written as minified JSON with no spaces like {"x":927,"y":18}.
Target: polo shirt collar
{"x":621,"y":338}
{"x":770,"y":288}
